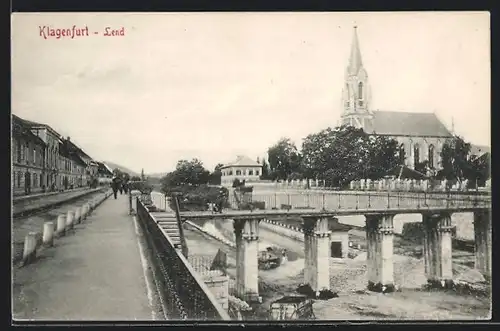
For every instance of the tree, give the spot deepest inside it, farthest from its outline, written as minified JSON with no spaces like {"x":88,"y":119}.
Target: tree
{"x":215,"y":176}
{"x":336,"y":155}
{"x":265,"y":170}
{"x":454,"y":160}
{"x":135,"y":179}
{"x":283,"y":158}
{"x":186,"y":173}
{"x":382,"y":157}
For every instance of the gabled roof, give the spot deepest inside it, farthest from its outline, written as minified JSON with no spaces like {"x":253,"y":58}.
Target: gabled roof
{"x":103,"y":168}
{"x":19,"y":127}
{"x":32,"y":124}
{"x":242,"y":161}
{"x":407,"y":124}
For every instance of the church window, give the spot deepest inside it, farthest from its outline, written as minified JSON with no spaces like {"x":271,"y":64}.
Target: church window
{"x":238,"y":172}
{"x":250,"y":172}
{"x":416,"y":154}
{"x":401,"y":154}
{"x":431,"y":156}
{"x":360,"y":90}
{"x":230,"y":172}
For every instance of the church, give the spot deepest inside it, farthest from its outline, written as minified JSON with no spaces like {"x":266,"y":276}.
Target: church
{"x":420,"y":135}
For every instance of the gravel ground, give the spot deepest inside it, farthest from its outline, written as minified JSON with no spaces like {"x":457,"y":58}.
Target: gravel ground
{"x":348,"y":279}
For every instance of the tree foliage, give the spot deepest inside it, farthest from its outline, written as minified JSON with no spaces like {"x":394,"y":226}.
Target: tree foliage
{"x":186,"y":173}
{"x":345,"y":153}
{"x":216,"y":175}
{"x":265,"y":170}
{"x":284,"y":159}
{"x":455,"y":161}
{"x":458,"y":165}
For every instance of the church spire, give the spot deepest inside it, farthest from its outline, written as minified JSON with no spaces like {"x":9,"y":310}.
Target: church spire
{"x":355,"y":62}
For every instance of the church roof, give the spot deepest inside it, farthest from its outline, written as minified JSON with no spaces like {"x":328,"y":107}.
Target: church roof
{"x":355,"y":61}
{"x":407,"y":124}
{"x":244,"y":161}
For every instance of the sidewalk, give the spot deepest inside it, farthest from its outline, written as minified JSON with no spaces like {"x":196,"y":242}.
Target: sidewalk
{"x":95,"y":273}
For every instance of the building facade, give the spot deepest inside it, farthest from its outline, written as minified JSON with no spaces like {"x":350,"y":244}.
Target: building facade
{"x":51,"y":139}
{"x":243,"y":168}
{"x":420,"y":135}
{"x":28,"y":159}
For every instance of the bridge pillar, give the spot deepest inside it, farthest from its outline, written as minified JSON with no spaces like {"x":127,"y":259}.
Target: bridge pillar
{"x":482,"y":242}
{"x":379,"y":260}
{"x":438,"y":249}
{"x":247,"y":246}
{"x":317,"y":253}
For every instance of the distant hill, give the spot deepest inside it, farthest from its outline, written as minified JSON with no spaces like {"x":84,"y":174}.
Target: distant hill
{"x":122,"y":168}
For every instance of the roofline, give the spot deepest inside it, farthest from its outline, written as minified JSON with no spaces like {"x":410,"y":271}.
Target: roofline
{"x":241,"y":165}
{"x":408,"y":135}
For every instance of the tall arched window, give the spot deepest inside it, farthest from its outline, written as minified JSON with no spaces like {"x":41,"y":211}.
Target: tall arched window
{"x":416,"y":154}
{"x":431,"y":156}
{"x":402,"y":154}
{"x":360,"y":90}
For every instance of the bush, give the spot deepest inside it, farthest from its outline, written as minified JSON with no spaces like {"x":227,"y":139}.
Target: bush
{"x":198,"y":197}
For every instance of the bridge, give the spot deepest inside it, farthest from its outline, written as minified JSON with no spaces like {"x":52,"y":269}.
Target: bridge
{"x":184,"y":293}
{"x":318,"y":209}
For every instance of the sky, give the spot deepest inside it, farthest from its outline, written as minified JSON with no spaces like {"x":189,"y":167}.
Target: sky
{"x":215,"y":85}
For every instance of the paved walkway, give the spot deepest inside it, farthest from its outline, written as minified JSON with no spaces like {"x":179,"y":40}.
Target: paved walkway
{"x":96,"y":273}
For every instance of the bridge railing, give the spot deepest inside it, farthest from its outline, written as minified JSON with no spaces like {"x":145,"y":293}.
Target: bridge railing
{"x":364,"y":200}
{"x":183,"y":293}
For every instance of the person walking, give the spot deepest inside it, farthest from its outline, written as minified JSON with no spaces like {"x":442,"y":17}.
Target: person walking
{"x":115,"y":184}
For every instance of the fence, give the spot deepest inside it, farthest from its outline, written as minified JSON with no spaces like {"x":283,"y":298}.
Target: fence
{"x":360,"y":200}
{"x":184,"y":294}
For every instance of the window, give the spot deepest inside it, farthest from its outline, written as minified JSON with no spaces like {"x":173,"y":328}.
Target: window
{"x":402,"y":154}
{"x":19,"y":151}
{"x":360,"y":90}
{"x":361,"y":103}
{"x":238,"y":172}
{"x":27,"y":153}
{"x":19,"y":174}
{"x":250,"y":172}
{"x":416,"y":154}
{"x":34,"y":155}
{"x":230,"y":172}
{"x":35,"y":180}
{"x":431,"y":156}
{"x":256,"y":172}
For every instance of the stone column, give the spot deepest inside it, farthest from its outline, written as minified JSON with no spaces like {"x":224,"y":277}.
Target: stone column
{"x":317,"y":253}
{"x":247,"y":246}
{"x":438,"y":249}
{"x":379,"y":260}
{"x":482,"y":241}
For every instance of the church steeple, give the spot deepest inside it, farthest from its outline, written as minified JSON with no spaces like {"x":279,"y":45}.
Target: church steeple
{"x":356,"y":92}
{"x":355,"y":61}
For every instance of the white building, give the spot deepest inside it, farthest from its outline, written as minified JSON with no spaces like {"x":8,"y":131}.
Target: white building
{"x":243,"y":168}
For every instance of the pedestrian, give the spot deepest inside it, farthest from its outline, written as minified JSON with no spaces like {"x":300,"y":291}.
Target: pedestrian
{"x":114,"y":186}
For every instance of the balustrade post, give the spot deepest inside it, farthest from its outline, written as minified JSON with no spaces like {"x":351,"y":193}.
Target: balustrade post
{"x":324,"y":202}
{"x":357,"y":201}
{"x":388,"y":200}
{"x":369,"y":201}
